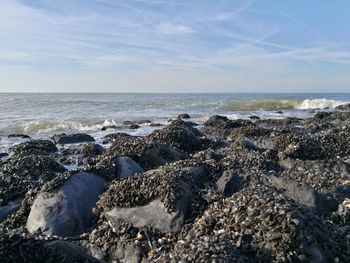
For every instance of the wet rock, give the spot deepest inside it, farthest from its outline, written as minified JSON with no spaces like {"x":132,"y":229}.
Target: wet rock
{"x":254,"y":117}
{"x":159,"y":198}
{"x":344,"y":211}
{"x":109,"y":127}
{"x":72,"y":138}
{"x":184,"y":116}
{"x":93,"y":149}
{"x":344,"y":107}
{"x":134,"y":126}
{"x":128,"y":167}
{"x":22,"y":173}
{"x":68,"y":210}
{"x":23,"y":136}
{"x":42,"y":147}
{"x":141,"y":122}
{"x":220,"y":126}
{"x":228,"y":183}
{"x":156,"y":125}
{"x":128,"y":123}
{"x":126,"y":252}
{"x":2,"y":155}
{"x":180,"y":135}
{"x":15,"y":248}
{"x":8,"y":209}
{"x":144,"y":151}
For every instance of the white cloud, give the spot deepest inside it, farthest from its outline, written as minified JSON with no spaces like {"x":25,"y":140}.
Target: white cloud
{"x":173,"y":29}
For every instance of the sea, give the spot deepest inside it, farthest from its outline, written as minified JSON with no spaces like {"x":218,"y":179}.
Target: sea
{"x":42,"y":115}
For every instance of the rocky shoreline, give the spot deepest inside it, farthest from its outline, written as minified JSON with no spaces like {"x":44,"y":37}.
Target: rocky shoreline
{"x":257,"y":190}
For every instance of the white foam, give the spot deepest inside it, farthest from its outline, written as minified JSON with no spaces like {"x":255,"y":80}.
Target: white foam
{"x":318,"y":104}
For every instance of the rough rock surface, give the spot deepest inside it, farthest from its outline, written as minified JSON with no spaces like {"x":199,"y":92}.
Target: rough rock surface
{"x":67,"y":210}
{"x":43,"y":147}
{"x":72,"y":138}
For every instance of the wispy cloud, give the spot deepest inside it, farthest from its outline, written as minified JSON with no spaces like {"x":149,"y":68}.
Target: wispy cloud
{"x":188,"y":35}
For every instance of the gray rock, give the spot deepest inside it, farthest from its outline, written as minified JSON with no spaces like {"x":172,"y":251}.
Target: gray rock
{"x":8,"y":209}
{"x":228,"y":183}
{"x":126,"y":252}
{"x":68,"y":210}
{"x":184,"y":116}
{"x":72,"y":138}
{"x":154,"y":214}
{"x":2,"y":155}
{"x":23,"y":136}
{"x":128,"y":167}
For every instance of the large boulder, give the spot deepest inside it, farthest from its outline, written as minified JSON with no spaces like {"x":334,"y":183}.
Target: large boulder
{"x":150,"y":154}
{"x":112,"y":167}
{"x":159,"y":198}
{"x":181,"y":135}
{"x":42,"y":147}
{"x":16,"y":248}
{"x":72,"y":138}
{"x":21,"y":173}
{"x":67,"y":210}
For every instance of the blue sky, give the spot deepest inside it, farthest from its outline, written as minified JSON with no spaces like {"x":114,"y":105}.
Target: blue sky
{"x":175,"y":46}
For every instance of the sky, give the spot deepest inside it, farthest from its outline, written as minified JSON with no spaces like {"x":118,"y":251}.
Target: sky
{"x":174,"y":46}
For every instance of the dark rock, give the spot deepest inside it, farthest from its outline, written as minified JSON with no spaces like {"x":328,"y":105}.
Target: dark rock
{"x":344,"y":107}
{"x":16,"y":248}
{"x":180,"y":135}
{"x":109,"y":127}
{"x":42,"y":147}
{"x":143,"y":122}
{"x":279,"y":112}
{"x":23,"y":136}
{"x":228,"y":183}
{"x":2,"y":155}
{"x":68,"y":210}
{"x":93,"y":149}
{"x":159,"y":198}
{"x":184,"y":116}
{"x":144,"y":151}
{"x":254,"y":117}
{"x":134,"y":126}
{"x":126,"y":252}
{"x":8,"y":209}
{"x":73,"y":138}
{"x":156,"y":125}
{"x":22,"y":173}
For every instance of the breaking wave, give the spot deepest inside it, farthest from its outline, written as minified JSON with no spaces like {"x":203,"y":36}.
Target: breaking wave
{"x":269,"y":105}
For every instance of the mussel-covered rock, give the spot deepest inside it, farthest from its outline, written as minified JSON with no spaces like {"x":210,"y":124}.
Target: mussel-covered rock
{"x":181,"y":135}
{"x":21,"y":173}
{"x":148,"y":153}
{"x":93,"y":149}
{"x":21,"y":249}
{"x":42,"y":147}
{"x":72,"y":138}
{"x":159,"y":198}
{"x":67,"y":209}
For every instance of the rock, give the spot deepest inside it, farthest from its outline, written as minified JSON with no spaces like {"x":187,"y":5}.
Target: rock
{"x":68,"y":210}
{"x":304,"y":195}
{"x":344,"y":107}
{"x":73,"y":138}
{"x":144,"y":151}
{"x":2,"y":155}
{"x":157,"y":198}
{"x":156,"y":125}
{"x":22,"y":173}
{"x":134,"y":126}
{"x":180,"y":135}
{"x":228,"y":183}
{"x":153,"y":215}
{"x":344,"y":210}
{"x":8,"y":209}
{"x":216,"y":120}
{"x":126,"y":252}
{"x":23,"y":136}
{"x":15,"y":248}
{"x":279,"y":112}
{"x":42,"y":147}
{"x":254,"y":117}
{"x":143,"y":122}
{"x":128,"y":167}
{"x":109,"y":127}
{"x":184,"y":116}
{"x":93,"y":149}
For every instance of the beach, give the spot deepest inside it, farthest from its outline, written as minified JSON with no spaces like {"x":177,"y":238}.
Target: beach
{"x":200,"y":178}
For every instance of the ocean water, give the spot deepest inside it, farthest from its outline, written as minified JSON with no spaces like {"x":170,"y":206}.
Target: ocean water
{"x":42,"y":115}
